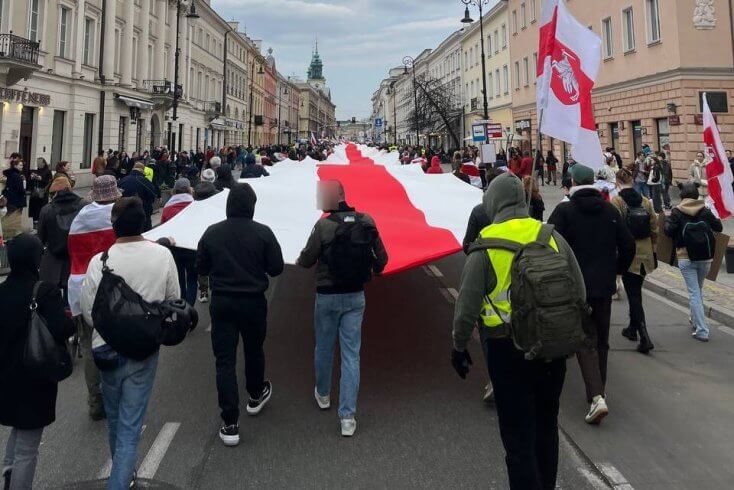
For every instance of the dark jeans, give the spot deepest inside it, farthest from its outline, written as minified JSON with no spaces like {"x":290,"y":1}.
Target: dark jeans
{"x":665,"y":191}
{"x":633,"y":288}
{"x":593,"y":357}
{"x":188,"y":278}
{"x":232,"y":317}
{"x":657,"y":197}
{"x":527,"y":398}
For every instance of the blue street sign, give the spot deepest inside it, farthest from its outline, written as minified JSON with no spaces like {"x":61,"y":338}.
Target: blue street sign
{"x":378,"y":123}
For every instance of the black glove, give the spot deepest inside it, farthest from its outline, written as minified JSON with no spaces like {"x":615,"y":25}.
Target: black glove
{"x":461,"y":362}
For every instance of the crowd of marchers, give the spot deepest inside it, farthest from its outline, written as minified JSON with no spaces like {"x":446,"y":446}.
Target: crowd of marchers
{"x":538,"y":293}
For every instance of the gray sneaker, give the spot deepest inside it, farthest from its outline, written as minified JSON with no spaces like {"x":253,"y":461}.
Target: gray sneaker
{"x":324,"y":402}
{"x":349,"y":427}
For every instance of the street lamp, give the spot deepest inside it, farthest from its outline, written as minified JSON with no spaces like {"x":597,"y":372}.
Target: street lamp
{"x":409,"y":62}
{"x":392,"y":91}
{"x":468,"y":20}
{"x":192,"y":15}
{"x":280,"y":101}
{"x":252,"y":83}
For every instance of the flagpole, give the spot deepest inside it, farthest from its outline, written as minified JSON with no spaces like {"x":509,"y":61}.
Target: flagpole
{"x":539,"y":147}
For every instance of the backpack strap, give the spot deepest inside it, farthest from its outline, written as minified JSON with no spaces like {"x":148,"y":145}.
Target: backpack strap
{"x":495,"y":243}
{"x":545,"y":234}
{"x":34,"y":297}
{"x":105,"y":256}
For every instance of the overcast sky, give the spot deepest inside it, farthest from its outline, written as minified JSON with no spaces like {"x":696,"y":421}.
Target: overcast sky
{"x":359,"y":40}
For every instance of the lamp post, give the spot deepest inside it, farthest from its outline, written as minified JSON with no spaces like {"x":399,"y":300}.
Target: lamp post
{"x":409,"y":62}
{"x":252,"y":86}
{"x":394,"y":94}
{"x":468,"y":20}
{"x":281,"y":93}
{"x":176,"y":94}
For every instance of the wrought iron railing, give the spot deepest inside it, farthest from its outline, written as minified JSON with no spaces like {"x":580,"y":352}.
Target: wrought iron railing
{"x":474,"y":104}
{"x":213,"y":107}
{"x":161,"y":87}
{"x":16,"y":48}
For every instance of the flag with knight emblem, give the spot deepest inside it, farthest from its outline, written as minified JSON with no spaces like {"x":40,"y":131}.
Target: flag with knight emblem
{"x":718,"y":170}
{"x":569,"y":56}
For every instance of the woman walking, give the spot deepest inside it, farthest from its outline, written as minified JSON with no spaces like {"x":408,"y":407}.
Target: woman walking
{"x":551,"y":164}
{"x":39,"y":182}
{"x":638,"y":214}
{"x":14,"y":194}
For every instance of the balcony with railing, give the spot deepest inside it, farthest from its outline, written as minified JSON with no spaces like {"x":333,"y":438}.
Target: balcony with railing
{"x":475,"y":104}
{"x":161,"y":92}
{"x":18,"y":58}
{"x":213,"y":109}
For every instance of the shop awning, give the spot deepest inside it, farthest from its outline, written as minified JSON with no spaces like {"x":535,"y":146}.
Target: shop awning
{"x":133,"y":102}
{"x":219,"y":124}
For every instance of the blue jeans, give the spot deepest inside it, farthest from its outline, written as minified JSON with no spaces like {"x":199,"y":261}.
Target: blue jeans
{"x":643,"y":189}
{"x":125,"y":392}
{"x":694,"y":273}
{"x":339,"y":315}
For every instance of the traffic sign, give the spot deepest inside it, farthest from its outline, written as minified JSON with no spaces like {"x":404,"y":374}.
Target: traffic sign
{"x":478,"y":132}
{"x":378,"y":123}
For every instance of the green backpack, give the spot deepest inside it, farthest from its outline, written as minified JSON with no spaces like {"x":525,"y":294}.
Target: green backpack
{"x":545,"y":295}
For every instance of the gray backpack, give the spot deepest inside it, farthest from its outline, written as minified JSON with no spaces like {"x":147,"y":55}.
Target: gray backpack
{"x":547,"y":309}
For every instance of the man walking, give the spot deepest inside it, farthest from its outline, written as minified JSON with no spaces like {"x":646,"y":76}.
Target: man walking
{"x":137,"y":185}
{"x":604,"y":248}
{"x":526,"y":392}
{"x":346,"y":248}
{"x":238,"y":254}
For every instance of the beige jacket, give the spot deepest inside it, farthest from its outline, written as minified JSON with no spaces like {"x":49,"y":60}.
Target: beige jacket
{"x":645,"y":252}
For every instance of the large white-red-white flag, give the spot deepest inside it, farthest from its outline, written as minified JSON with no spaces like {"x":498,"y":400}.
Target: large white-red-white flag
{"x":569,"y":56}
{"x":718,"y":171}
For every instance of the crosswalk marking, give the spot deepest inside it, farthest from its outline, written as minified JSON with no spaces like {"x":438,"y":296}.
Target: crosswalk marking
{"x":104,"y":473}
{"x":435,"y":271}
{"x":155,"y":455}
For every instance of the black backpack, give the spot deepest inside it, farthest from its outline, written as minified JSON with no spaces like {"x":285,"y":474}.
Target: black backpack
{"x":128,"y":323}
{"x":698,"y":238}
{"x":638,"y":222}
{"x":349,"y":256}
{"x":656,"y":173}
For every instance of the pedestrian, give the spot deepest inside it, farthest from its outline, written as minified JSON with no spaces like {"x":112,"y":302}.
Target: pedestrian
{"x":90,"y":233}
{"x":533,"y":197}
{"x":515,"y":162}
{"x":54,"y":224}
{"x":346,"y":249}
{"x":642,"y":173}
{"x":551,"y":163}
{"x":205,"y":189}
{"x":14,"y":194}
{"x":149,"y":270}
{"x":435,"y":167}
{"x":252,"y":169}
{"x":224,"y":178}
{"x":667,"y":179}
{"x":62,"y":170}
{"x":39,"y":182}
{"x":603,"y":246}
{"x":238,"y":255}
{"x":99,"y":164}
{"x":527,"y":393}
{"x":692,"y":225}
{"x":28,"y":404}
{"x":654,"y":184}
{"x":526,"y":165}
{"x":185,"y":259}
{"x":642,"y":221}
{"x":136,"y":185}
{"x":540,"y":167}
{"x":697,"y":175}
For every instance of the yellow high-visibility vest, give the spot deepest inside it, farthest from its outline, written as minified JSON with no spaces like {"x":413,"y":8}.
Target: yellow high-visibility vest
{"x":522,"y":231}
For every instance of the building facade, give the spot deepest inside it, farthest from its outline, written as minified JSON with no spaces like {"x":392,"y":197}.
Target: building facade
{"x":444,"y":66}
{"x":658,"y":58}
{"x":317,"y":113}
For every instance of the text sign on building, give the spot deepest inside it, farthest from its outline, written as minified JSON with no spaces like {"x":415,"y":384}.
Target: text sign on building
{"x":24,"y":96}
{"x":494,"y":131}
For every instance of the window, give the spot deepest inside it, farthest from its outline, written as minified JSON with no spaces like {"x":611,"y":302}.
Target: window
{"x":717,"y":101}
{"x":122,"y":134}
{"x":504,"y":36}
{"x":118,"y":42}
{"x":532,"y":11}
{"x":88,"y":141}
{"x":466,"y":60}
{"x":498,"y":88}
{"x":526,"y":70}
{"x":523,"y":16}
{"x":57,"y":139}
{"x":516,"y":74}
{"x":653,"y":21}
{"x":514,"y":21}
{"x":663,"y":127}
{"x":628,"y":27}
{"x":535,"y":65}
{"x":496,"y":42}
{"x":490,"y":85}
{"x":34,"y":19}
{"x":606,"y":35}
{"x":2,"y":7}
{"x":135,"y":57}
{"x":489,"y":45}
{"x":88,"y":41}
{"x":506,"y":79}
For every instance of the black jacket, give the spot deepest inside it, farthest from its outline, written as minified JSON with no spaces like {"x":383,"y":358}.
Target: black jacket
{"x":599,"y":238}
{"x":14,"y":190}
{"x":52,"y":230}
{"x":224,"y":178}
{"x":677,"y":220}
{"x":238,"y":254}
{"x":253,"y":171}
{"x":478,"y":220}
{"x":25,"y":401}
{"x":136,"y":184}
{"x":204,"y":190}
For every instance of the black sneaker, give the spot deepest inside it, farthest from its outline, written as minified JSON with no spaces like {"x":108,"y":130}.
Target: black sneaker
{"x":230,"y":434}
{"x":629,"y":334}
{"x":255,"y":406}
{"x":6,"y":478}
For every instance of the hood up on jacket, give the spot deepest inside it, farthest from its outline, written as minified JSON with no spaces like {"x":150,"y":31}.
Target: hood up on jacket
{"x":505,"y":199}
{"x":250,"y":159}
{"x":241,"y":202}
{"x":24,"y":256}
{"x":225,"y":173}
{"x":588,"y":199}
{"x":435,"y":162}
{"x":631,"y":197}
{"x":691,"y":207}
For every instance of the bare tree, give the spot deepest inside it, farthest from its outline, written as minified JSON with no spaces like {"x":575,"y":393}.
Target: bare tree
{"x":437,"y":108}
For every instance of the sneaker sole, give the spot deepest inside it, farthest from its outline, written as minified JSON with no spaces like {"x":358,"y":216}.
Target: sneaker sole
{"x":255,"y":411}
{"x":229,"y":441}
{"x":598,"y":417}
{"x":349,"y":434}
{"x":318,"y":402}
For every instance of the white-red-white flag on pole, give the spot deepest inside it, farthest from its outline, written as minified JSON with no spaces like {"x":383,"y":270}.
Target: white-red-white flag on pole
{"x":718,"y":171}
{"x":569,"y":56}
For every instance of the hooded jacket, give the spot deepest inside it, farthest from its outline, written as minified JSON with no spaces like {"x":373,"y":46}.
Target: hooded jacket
{"x":14,"y":191}
{"x":252,"y":170}
{"x":687,"y":211}
{"x":27,"y":402}
{"x":435,"y":167}
{"x":238,"y":254}
{"x":224,"y":178}
{"x":503,"y":201}
{"x":54,"y":224}
{"x":478,"y":220}
{"x":136,"y":184}
{"x":598,"y":236}
{"x":645,"y":247}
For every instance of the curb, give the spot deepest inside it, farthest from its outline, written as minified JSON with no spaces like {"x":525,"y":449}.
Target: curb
{"x":716,"y":313}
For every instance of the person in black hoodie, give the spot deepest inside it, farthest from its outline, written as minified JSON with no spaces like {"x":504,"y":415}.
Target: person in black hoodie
{"x":604,"y":247}
{"x":136,"y":184}
{"x":14,"y":192}
{"x":252,"y":170}
{"x":224,"y":178}
{"x":238,"y":254}
{"x":27,"y":404}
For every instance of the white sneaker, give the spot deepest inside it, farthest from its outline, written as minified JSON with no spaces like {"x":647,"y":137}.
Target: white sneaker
{"x":488,"y":393}
{"x":324,"y":402}
{"x":349,"y":427}
{"x":597,"y":411}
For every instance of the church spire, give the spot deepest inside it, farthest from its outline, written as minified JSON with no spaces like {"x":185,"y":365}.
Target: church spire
{"x":316,"y":69}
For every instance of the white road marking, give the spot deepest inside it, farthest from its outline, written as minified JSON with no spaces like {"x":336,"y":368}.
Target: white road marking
{"x":104,"y":473}
{"x":581,"y":464}
{"x":453,"y":292}
{"x":209,"y":327}
{"x":158,"y":450}
{"x":436,"y":271}
{"x":447,"y":294}
{"x":427,"y":270}
{"x":617,"y":479}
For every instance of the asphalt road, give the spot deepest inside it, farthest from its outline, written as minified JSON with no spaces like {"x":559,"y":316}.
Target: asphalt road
{"x":420,"y":426}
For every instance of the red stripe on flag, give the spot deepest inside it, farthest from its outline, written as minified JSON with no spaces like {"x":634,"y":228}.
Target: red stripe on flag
{"x":410,"y":241}
{"x":84,"y":246}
